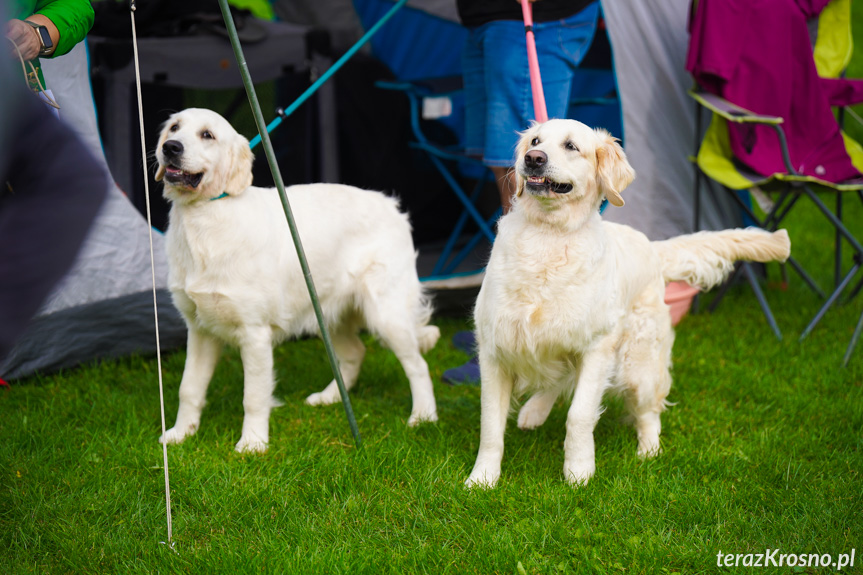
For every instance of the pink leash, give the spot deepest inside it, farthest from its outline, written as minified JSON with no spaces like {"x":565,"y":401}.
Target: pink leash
{"x":539,"y":110}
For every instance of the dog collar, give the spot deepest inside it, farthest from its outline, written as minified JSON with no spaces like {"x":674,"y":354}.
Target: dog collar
{"x":219,"y":197}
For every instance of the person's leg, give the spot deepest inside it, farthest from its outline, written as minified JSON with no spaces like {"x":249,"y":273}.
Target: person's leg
{"x":561,"y":46}
{"x":509,"y":101}
{"x":505,"y":178}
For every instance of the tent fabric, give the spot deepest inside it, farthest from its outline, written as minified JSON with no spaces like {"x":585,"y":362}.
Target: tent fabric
{"x":104,"y":306}
{"x":649,"y":42}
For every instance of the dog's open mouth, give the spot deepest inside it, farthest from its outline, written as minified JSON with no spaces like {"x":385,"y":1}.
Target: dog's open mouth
{"x":178,"y":177}
{"x":538,"y":184}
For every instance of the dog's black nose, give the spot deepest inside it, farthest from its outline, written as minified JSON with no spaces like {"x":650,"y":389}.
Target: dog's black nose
{"x":535,"y":159}
{"x":172,"y":148}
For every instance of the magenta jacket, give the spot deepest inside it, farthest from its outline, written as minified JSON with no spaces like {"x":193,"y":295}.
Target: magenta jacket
{"x":758,"y":54}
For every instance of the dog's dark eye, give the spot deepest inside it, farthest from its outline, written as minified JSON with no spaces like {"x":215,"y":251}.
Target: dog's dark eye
{"x":207,"y":135}
{"x":571,"y":147}
{"x":534,"y":142}
{"x":175,"y":127}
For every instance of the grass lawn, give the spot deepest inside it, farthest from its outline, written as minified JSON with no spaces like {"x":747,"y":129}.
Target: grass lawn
{"x":763,"y":450}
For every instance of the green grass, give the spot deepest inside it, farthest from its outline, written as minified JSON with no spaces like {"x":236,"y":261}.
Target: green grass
{"x":761,"y":451}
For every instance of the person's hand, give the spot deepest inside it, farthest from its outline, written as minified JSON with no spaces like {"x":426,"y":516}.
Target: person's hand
{"x":24,"y":36}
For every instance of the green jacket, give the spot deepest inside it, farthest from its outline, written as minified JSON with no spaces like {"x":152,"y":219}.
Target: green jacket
{"x":73,"y":19}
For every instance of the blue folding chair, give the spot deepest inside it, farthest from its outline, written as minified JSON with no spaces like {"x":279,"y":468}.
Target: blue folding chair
{"x":449,"y":161}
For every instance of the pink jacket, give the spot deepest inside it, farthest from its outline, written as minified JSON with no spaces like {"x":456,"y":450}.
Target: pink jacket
{"x":758,"y":54}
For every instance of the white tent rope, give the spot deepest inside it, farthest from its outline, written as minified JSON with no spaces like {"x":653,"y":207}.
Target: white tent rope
{"x":153,"y":269}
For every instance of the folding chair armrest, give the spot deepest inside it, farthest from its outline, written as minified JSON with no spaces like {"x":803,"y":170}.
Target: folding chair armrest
{"x":731,"y":112}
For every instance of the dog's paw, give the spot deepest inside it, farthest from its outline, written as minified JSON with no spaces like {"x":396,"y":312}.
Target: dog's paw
{"x":481,"y":480}
{"x":578,"y":475}
{"x":323,"y":398}
{"x":177,"y":434}
{"x":251,"y":445}
{"x":422,"y":417}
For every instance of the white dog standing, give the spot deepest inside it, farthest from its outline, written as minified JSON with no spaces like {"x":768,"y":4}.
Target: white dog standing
{"x":573,"y":305}
{"x":235,"y":276}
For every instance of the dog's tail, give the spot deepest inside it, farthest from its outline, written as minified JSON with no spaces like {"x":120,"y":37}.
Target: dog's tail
{"x":427,"y":335}
{"x":705,"y":259}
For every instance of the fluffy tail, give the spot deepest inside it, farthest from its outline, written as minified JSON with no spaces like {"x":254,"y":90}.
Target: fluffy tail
{"x":427,"y":335}
{"x":705,"y":259}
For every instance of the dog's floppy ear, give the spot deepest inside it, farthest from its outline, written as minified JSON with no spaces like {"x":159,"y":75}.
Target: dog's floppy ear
{"x":613,"y":171}
{"x":520,"y":150}
{"x":239,"y":175}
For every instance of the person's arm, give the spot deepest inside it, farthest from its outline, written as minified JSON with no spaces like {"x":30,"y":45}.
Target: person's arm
{"x":26,"y":39}
{"x":71,"y":20}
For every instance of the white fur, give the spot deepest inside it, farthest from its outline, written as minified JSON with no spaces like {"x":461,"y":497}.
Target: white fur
{"x":236,"y":279}
{"x":572,"y":305}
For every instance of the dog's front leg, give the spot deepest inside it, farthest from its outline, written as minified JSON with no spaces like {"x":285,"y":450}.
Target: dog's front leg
{"x":256,"y":351}
{"x":579,"y":462}
{"x":495,"y":395}
{"x":202,"y":354}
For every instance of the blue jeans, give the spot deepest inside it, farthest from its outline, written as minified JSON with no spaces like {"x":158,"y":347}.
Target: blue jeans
{"x":498,"y":97}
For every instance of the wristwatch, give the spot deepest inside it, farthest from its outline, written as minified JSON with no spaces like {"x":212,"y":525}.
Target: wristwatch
{"x":44,"y":38}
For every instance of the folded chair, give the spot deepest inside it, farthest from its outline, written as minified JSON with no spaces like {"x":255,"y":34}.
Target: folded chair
{"x":764,"y":150}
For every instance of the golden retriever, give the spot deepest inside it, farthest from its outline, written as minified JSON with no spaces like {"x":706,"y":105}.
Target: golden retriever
{"x":572,"y":305}
{"x":235,"y":276}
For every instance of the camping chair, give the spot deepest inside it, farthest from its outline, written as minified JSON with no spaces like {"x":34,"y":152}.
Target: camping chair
{"x":716,"y":162}
{"x":424,"y":96}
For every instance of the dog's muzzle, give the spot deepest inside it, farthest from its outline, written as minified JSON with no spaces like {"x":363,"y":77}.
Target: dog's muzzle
{"x":172,"y":151}
{"x":535,"y":180}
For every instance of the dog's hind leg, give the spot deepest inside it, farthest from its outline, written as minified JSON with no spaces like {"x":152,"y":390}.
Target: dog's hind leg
{"x":202,"y":354}
{"x":256,"y":351}
{"x":536,"y":409}
{"x":403,"y":342}
{"x":350,"y":350}
{"x":389,"y":315}
{"x":646,"y":377}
